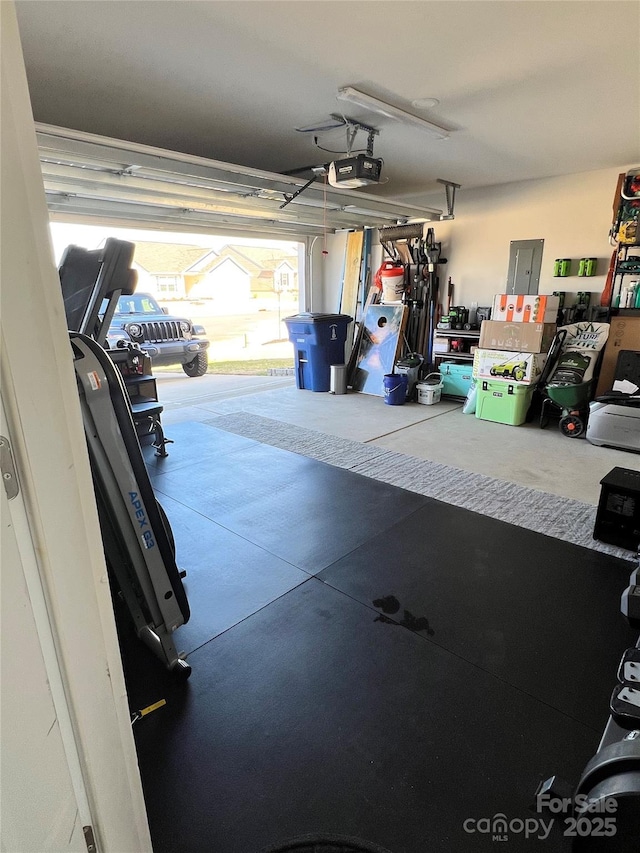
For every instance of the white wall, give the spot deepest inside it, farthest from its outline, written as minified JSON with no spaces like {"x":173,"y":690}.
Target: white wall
{"x":327,"y":272}
{"x":329,"y":269}
{"x":40,"y":398}
{"x":572,"y":214}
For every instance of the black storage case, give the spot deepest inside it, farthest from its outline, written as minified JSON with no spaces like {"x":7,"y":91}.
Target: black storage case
{"x":618,"y":516}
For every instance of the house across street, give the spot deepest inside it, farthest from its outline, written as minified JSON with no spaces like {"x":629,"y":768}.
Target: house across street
{"x":234,"y":275}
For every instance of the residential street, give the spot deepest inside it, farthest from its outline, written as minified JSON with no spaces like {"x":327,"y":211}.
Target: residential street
{"x":248,"y":335}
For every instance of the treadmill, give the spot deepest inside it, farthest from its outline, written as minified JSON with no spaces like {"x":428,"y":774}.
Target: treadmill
{"x":137,"y":538}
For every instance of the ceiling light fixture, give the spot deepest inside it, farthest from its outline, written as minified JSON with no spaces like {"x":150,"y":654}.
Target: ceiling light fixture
{"x":355,"y":96}
{"x":425,"y":103}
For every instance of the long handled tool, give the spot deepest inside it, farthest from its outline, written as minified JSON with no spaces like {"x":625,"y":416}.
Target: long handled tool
{"x":432,"y":250}
{"x":618,"y":201}
{"x":417,"y":245}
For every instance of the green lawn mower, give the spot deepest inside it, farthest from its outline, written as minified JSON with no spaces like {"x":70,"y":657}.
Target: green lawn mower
{"x":516,"y":370}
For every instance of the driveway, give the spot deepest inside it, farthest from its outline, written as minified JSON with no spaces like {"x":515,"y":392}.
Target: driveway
{"x":187,"y":399}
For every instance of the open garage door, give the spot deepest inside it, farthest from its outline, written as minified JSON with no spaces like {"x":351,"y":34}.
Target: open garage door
{"x":89,"y":178}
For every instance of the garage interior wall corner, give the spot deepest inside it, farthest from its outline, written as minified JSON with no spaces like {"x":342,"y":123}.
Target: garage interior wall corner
{"x":327,"y":272}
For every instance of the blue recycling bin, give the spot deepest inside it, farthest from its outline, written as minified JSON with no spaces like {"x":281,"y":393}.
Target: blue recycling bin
{"x":318,"y":342}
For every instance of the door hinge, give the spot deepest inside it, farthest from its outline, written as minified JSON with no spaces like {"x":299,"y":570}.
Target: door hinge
{"x":8,"y":469}
{"x":89,"y":839}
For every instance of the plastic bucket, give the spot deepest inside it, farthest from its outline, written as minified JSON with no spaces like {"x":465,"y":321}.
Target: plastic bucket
{"x":430,"y":389}
{"x":410,"y":367}
{"x":395,"y":389}
{"x":392,"y":278}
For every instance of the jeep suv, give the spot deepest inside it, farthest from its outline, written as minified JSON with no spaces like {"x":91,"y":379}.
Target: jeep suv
{"x":165,"y":339}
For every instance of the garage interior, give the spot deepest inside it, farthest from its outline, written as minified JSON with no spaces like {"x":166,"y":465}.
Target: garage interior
{"x":401,"y":624}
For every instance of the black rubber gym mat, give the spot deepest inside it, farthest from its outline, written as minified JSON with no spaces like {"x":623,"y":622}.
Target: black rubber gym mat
{"x":314,"y":717}
{"x":193,"y":442}
{"x":436,"y":670}
{"x":303,"y":511}
{"x":228,"y":577}
{"x":539,"y":613}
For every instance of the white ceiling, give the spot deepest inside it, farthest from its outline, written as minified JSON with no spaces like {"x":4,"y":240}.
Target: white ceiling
{"x":529,"y":89}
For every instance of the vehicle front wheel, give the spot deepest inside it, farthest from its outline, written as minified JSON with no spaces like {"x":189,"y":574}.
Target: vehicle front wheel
{"x":197,"y":367}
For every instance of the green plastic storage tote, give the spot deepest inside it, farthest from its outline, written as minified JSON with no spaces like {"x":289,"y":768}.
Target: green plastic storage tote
{"x":503,"y":402}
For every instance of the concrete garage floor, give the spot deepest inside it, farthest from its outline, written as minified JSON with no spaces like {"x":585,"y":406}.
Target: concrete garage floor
{"x":527,"y":455}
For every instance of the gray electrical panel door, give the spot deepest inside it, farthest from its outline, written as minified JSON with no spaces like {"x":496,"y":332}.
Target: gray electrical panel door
{"x":525,"y":260}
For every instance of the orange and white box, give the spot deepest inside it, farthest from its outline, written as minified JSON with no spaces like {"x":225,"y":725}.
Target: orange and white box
{"x":525,"y":309}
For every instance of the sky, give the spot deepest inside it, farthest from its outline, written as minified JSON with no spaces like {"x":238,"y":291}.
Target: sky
{"x":93,"y":236}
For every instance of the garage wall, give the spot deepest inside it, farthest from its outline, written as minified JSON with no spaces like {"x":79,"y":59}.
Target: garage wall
{"x":329,"y":270}
{"x":571,"y":213}
{"x":57,"y":536}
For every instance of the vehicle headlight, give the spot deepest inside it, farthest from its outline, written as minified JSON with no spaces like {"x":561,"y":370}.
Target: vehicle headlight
{"x":186,"y":327}
{"x":135,"y":330}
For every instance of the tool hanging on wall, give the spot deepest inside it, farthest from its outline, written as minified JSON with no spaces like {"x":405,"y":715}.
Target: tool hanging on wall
{"x":411,"y":299}
{"x":415,"y":245}
{"x":393,"y":233}
{"x":433,"y":252}
{"x":449,"y":296}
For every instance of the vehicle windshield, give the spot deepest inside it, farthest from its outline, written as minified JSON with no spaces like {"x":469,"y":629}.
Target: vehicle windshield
{"x":137,"y":303}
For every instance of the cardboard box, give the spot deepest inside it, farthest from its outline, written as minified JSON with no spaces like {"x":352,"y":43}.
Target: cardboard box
{"x":441,"y":344}
{"x":519,"y":308}
{"x":521,"y":367}
{"x":623,"y":335}
{"x":516,"y":337}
